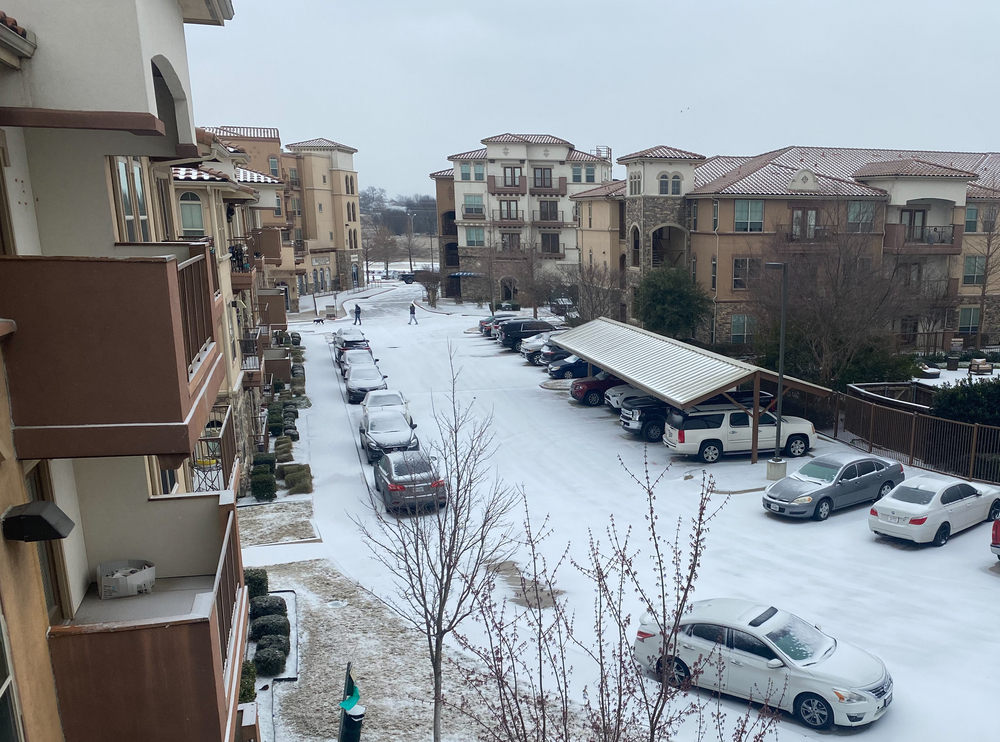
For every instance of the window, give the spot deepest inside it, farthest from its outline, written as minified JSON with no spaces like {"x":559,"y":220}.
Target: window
{"x":635,"y":184}
{"x":664,"y":185}
{"x":320,"y":207}
{"x":35,"y":484}
{"x":865,"y":468}
{"x":715,"y":216}
{"x":479,"y":171}
{"x":590,"y":174}
{"x":510,"y":242}
{"x":968,"y":320}
{"x":286,"y":235}
{"x":975,"y":268}
{"x":475,"y":237}
{"x":295,"y":207}
{"x":10,"y":713}
{"x":347,"y":184}
{"x":950,"y":495}
{"x":803,"y":224}
{"x":578,"y":173}
{"x":694,"y":216}
{"x":272,"y":163}
{"x":636,"y":253}
{"x":277,"y":204}
{"x":168,"y":481}
{"x":508,"y":211}
{"x":908,"y":327}
{"x":675,"y":185}
{"x":550,"y":243}
{"x":466,"y":171}
{"x":850,"y":473}
{"x":324,"y":180}
{"x":745,"y":270}
{"x":511,"y":177}
{"x":743,"y":328}
{"x":749,"y":216}
{"x":715,"y":271}
{"x":293,"y":176}
{"x":543,"y":177}
{"x":548,"y":211}
{"x":971,"y":218}
{"x":744,"y":642}
{"x":739,"y":420}
{"x":860,"y":216}
{"x":298,"y":234}
{"x":473,"y":204}
{"x":694,"y":268}
{"x":590,"y":215}
{"x":709,"y":632}
{"x":131,"y":200}
{"x":192,"y":221}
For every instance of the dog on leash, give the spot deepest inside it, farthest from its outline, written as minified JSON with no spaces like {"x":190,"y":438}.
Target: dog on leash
{"x":318,"y":321}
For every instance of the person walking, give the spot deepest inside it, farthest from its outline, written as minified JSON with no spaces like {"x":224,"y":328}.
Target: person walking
{"x":413,"y":314}
{"x":357,"y":314}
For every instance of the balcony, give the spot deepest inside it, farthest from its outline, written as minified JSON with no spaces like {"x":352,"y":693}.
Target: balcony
{"x":806,"y":234}
{"x":162,"y":666}
{"x":130,"y":368}
{"x":924,"y":240}
{"x":510,"y":254}
{"x":242,"y":267}
{"x":552,"y":252}
{"x":549,"y":218}
{"x":506,"y":218}
{"x":548,"y":187}
{"x":271,"y":307}
{"x":252,"y":358}
{"x":267,"y":242}
{"x":473,"y":212}
{"x":278,"y":364}
{"x":501,"y":186}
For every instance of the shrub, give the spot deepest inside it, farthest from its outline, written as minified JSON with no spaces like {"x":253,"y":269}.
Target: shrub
{"x":269,"y":662}
{"x":293,"y":433}
{"x":275,"y":428}
{"x":274,"y":641}
{"x":256,"y":580}
{"x":263,"y":487}
{"x":264,"y":459}
{"x":267,"y":605}
{"x":282,"y":441}
{"x":279,"y":385}
{"x":285,"y":470}
{"x":969,"y":401}
{"x":291,"y":409}
{"x":286,"y":456}
{"x":248,"y":678}
{"x":269,"y":625}
{"x":262,"y":469}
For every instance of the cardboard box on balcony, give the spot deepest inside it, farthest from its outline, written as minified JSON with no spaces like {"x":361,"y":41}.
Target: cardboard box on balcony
{"x":125,"y":577}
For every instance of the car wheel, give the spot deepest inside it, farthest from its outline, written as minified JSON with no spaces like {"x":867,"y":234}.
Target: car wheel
{"x":823,"y":509}
{"x":797,"y":446}
{"x":653,"y":432}
{"x":517,"y":346}
{"x":710,"y":452}
{"x":567,"y":374}
{"x":680,"y":677}
{"x":994,"y":511}
{"x":814,"y":712}
{"x":532,"y":358}
{"x":884,"y":490}
{"x":593,"y":398}
{"x":941,"y":537}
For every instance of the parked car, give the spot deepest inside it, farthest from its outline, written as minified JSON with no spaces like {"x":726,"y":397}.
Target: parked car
{"x":486,"y":323}
{"x":407,"y":278}
{"x":516,"y":330}
{"x":363,"y":379}
{"x":497,"y":326}
{"x":590,"y":390}
{"x":531,"y":348}
{"x":830,"y":482}
{"x":388,"y":399}
{"x":386,"y":432}
{"x":744,"y":648}
{"x":709,"y":433}
{"x":614,"y":396}
{"x":995,"y":543}
{"x":929,"y":508}
{"x":645,"y":416}
{"x":409,"y":480}
{"x":356,"y":357}
{"x":570,"y":367}
{"x":551,"y":353}
{"x":348,"y":338}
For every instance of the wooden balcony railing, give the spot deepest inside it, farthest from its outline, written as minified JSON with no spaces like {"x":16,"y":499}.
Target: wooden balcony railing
{"x":251,"y":351}
{"x":228,"y":580}
{"x":196,"y":309}
{"x":215,"y":452}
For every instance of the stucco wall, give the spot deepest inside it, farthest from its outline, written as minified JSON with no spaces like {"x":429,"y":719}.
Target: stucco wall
{"x":22,"y":200}
{"x":74,"y":546}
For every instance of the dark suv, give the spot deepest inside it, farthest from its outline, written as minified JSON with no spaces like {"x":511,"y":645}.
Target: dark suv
{"x":516,"y":330}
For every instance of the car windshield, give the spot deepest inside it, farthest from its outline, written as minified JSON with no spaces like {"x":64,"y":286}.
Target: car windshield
{"x":823,"y":471}
{"x":800,"y":641}
{"x":353,"y":356}
{"x":676,"y":420}
{"x":384,"y":400}
{"x":913,"y":495}
{"x":408,"y":466}
{"x":571,"y":359}
{"x":365,"y":373}
{"x":387,"y":424}
{"x":602,"y":375}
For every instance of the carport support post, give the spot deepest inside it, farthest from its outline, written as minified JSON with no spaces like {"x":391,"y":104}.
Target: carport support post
{"x":756,"y":417}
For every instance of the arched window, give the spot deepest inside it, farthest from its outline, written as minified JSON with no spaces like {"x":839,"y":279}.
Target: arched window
{"x":355,"y":233}
{"x":635,"y":184}
{"x":347,"y":183}
{"x":192,"y":221}
{"x":675,"y":185}
{"x":664,"y":185}
{"x":272,"y":163}
{"x":636,"y":252}
{"x":315,"y":280}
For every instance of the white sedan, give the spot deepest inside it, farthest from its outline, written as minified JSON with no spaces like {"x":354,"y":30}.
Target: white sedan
{"x":356,"y":358}
{"x":388,"y":399}
{"x":761,"y":653}
{"x":930,"y":507}
{"x":614,"y":397}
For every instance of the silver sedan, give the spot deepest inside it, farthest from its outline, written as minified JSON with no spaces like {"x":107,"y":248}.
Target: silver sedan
{"x":830,"y":482}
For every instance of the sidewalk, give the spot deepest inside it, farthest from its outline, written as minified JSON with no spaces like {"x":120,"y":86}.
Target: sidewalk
{"x":322,"y":301}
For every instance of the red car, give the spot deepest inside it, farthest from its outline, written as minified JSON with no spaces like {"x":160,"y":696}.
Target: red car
{"x":590,"y":391}
{"x":995,"y":547}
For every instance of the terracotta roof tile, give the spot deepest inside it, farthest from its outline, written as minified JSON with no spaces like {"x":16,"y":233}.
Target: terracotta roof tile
{"x":320,"y":143}
{"x":662,"y":152}
{"x":446,"y":173}
{"x":910,"y":167}
{"x":10,"y":23}
{"x":525,"y":139}
{"x":576,"y":155}
{"x":199,"y":173}
{"x":605,"y":190}
{"x":978,"y":192}
{"x":475,"y":154}
{"x":244,"y":132}
{"x":771,"y":179}
{"x":715,"y":167}
{"x":244,"y":175}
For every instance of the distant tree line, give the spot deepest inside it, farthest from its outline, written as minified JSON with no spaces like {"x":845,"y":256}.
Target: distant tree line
{"x":394,"y":213}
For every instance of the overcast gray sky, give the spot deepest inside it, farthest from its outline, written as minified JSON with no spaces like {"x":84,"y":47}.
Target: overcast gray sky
{"x":408,"y":82}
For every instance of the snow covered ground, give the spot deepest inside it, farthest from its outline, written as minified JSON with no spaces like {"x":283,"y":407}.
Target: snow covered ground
{"x":929,"y":613}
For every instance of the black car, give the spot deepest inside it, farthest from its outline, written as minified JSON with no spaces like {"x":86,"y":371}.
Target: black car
{"x":571,"y":367}
{"x":486,"y":322}
{"x":513,"y":332}
{"x":551,"y":353}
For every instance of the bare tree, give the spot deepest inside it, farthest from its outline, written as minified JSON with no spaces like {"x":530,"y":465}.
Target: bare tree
{"x":431,"y":281}
{"x":441,"y":561}
{"x":385,"y":249}
{"x":368,"y":232}
{"x":983,"y":253}
{"x":410,"y":244}
{"x":601,"y":290}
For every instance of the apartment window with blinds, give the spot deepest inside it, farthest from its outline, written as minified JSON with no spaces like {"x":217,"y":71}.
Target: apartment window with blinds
{"x":131,"y":200}
{"x":860,"y":216}
{"x":635,"y":184}
{"x":295,"y":207}
{"x":715,"y":216}
{"x":10,"y":715}
{"x":511,"y":177}
{"x":466,"y":171}
{"x":577,"y":173}
{"x":745,"y":270}
{"x":192,"y":217}
{"x":473,"y":205}
{"x":163,"y":196}
{"x":475,"y":237}
{"x":694,"y":269}
{"x":749,"y":216}
{"x":591,"y":174}
{"x":694,"y":216}
{"x":664,"y":185}
{"x":971,"y":219}
{"x":968,"y":320}
{"x":590,"y":215}
{"x":975,"y":270}
{"x":715,"y":271}
{"x":277,"y":204}
{"x":298,"y":234}
{"x":675,"y":185}
{"x":543,"y":177}
{"x":743,"y":328}
{"x":479,"y":171}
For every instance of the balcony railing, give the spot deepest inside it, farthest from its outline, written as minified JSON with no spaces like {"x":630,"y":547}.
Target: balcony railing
{"x":514,"y":253}
{"x":228,"y":581}
{"x":240,"y":258}
{"x":213,"y":457}
{"x":196,"y":310}
{"x":548,"y":186}
{"x":514,"y":185}
{"x":506,"y":216}
{"x":473,"y":212}
{"x":547,"y":217}
{"x":805,"y":233}
{"x":927,"y":235}
{"x":251,"y":351}
{"x":552,"y":250}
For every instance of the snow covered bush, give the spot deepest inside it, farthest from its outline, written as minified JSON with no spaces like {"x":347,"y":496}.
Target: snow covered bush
{"x":267,"y":605}
{"x":248,"y":679}
{"x":256,"y":581}
{"x":275,"y":641}
{"x":264,"y":459}
{"x":269,"y":662}
{"x":266,"y":625}
{"x":263,"y":487}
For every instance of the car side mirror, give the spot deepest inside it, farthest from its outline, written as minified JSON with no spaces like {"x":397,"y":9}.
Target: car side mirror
{"x":413,"y":426}
{"x":774,"y":664}
{"x":385,"y":377}
{"x":839,"y":482}
{"x":376,"y":360}
{"x":818,"y":627}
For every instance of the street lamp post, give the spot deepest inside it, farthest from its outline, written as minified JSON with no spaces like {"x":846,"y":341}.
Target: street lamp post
{"x":776,"y":466}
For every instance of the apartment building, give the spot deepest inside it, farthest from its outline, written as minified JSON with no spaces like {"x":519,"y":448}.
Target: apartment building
{"x":128,"y":393}
{"x":717,"y":216}
{"x":509,"y":201}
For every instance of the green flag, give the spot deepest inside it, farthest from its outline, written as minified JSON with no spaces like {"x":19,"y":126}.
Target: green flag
{"x":348,"y":703}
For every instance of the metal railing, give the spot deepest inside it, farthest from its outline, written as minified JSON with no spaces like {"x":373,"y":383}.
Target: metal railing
{"x":228,"y":580}
{"x":196,"y":309}
{"x":547,"y":216}
{"x":557,"y":250}
{"x":473,"y":212}
{"x":215,"y":452}
{"x":926,"y":235}
{"x":240,"y":258}
{"x":806,"y":233}
{"x":251,"y":351}
{"x":967,"y":450}
{"x":506,"y":215}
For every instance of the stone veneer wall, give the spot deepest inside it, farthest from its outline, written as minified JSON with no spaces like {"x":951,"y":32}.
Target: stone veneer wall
{"x":650,"y":212}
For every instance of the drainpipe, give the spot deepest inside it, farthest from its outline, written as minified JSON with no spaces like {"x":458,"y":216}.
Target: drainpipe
{"x":715,"y":296}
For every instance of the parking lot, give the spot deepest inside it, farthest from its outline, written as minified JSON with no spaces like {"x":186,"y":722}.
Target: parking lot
{"x":929,"y":613}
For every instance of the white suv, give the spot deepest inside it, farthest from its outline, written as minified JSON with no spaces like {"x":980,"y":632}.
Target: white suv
{"x":710,"y":431}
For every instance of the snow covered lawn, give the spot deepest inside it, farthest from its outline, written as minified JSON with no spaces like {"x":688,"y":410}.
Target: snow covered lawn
{"x":929,"y":613}
{"x":276,"y":523}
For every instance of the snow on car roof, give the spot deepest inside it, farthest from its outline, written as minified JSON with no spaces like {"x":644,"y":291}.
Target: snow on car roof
{"x":732,"y":610}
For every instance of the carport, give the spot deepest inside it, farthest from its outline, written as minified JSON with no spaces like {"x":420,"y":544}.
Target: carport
{"x":680,"y":374}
